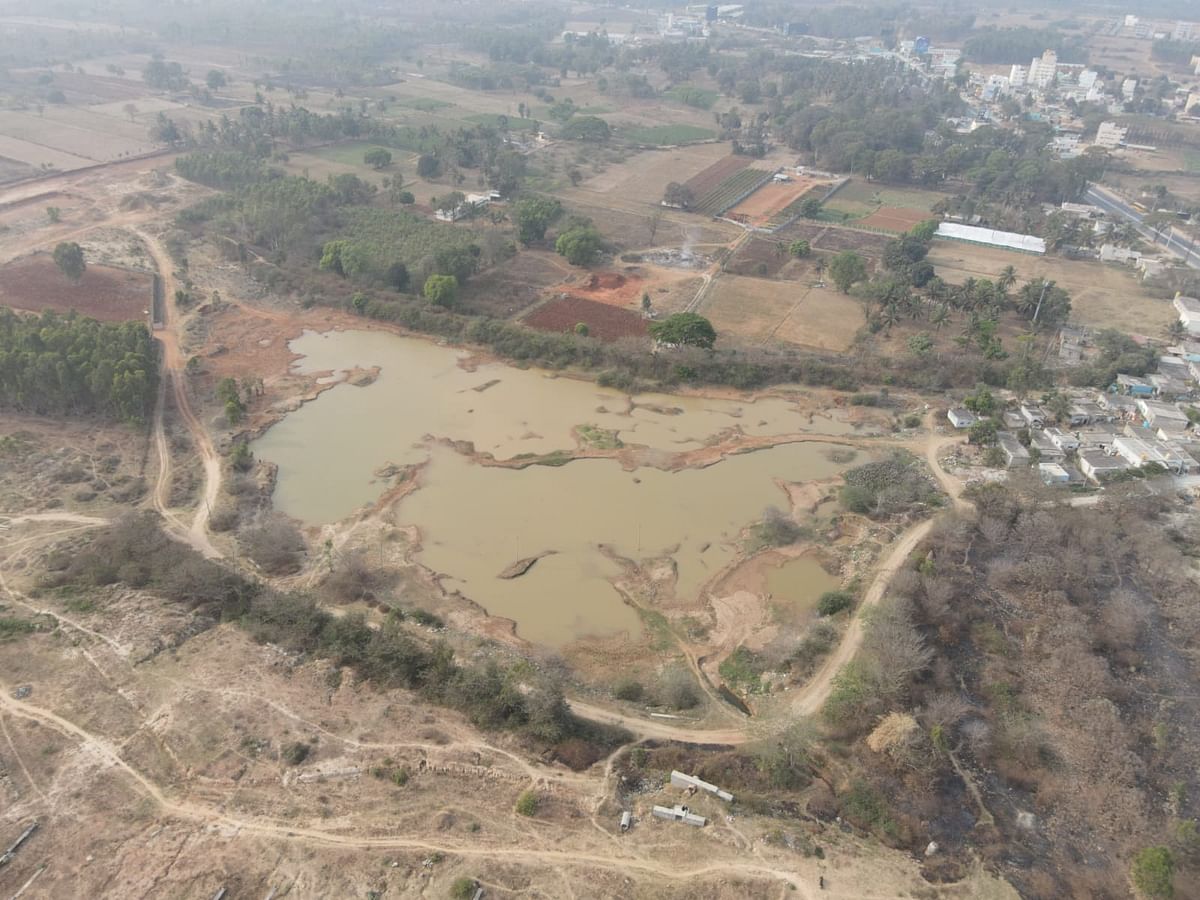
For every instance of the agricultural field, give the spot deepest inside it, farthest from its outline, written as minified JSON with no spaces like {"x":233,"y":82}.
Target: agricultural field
{"x":603,"y":321}
{"x":665,"y":135}
{"x":106,"y":293}
{"x":858,"y":199}
{"x":770,"y":202}
{"x":704,"y":183}
{"x":731,"y":191}
{"x":763,"y":257}
{"x":894,"y":219}
{"x":513,"y":285}
{"x":1103,"y":296}
{"x":832,"y":239}
{"x":758,"y":311}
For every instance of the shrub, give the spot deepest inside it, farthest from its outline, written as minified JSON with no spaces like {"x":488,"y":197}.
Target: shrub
{"x":677,"y":689}
{"x":629,"y":689}
{"x":295,"y":753}
{"x":527,"y":803}
{"x":463,"y":888}
{"x":1153,"y":872}
{"x":833,"y":602}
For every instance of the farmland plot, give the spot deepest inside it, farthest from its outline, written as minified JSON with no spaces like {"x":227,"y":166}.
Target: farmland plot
{"x":729,"y":192}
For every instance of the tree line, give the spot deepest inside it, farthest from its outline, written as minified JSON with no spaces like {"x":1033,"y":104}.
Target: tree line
{"x":72,"y":365}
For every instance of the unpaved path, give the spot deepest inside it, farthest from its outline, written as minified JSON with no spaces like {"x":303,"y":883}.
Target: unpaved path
{"x":101,"y":747}
{"x":173,"y":370}
{"x":658,"y":730}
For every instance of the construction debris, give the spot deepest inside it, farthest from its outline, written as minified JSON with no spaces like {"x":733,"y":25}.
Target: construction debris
{"x":679,"y":779}
{"x":626,"y":820}
{"x":680,"y":814}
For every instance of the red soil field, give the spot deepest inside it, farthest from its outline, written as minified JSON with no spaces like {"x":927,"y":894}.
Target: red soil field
{"x":895,"y":218}
{"x":771,"y":198}
{"x":603,"y":321}
{"x":105,"y":293}
{"x":610,"y":288}
{"x":705,"y":182}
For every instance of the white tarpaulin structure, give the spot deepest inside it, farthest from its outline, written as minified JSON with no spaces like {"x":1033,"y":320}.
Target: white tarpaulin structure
{"x":1005,"y":240}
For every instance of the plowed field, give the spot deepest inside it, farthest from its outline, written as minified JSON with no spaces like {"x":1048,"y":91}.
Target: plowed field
{"x":105,"y":293}
{"x":603,"y":321}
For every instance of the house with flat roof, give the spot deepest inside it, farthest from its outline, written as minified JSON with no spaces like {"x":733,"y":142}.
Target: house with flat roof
{"x":1158,"y":414}
{"x":960,"y":417}
{"x":1133,"y":386}
{"x":1034,"y":416}
{"x":1014,"y":451}
{"x":1047,"y":450}
{"x":1189,"y":313}
{"x":1053,"y":473}
{"x":1064,"y":441}
{"x":1098,"y":465}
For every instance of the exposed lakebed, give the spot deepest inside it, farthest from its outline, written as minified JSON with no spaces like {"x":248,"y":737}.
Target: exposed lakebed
{"x":476,"y":520}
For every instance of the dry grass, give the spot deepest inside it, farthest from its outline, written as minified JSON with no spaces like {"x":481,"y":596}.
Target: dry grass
{"x":1101,"y":295}
{"x":760,"y":311}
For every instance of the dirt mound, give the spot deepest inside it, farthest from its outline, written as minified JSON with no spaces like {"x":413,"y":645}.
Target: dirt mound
{"x":605,"y":281}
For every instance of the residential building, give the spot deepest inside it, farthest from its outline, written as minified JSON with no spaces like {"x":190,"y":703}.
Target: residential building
{"x":1064,"y":441}
{"x":1014,"y":452}
{"x":1128,"y":88}
{"x":1047,"y":450}
{"x":1053,"y":473}
{"x":1182,"y":31}
{"x":1034,"y":416}
{"x":1189,"y":313}
{"x":1110,"y":135}
{"x":1087,"y":79}
{"x":1018,"y":77}
{"x":1139,"y":452}
{"x":961,"y":418}
{"x":1095,"y":440}
{"x":1133,"y":386}
{"x":1165,"y":416}
{"x":1097,"y":465}
{"x":1043,"y":71}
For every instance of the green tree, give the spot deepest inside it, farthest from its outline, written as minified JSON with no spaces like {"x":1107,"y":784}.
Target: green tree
{"x":679,"y":195}
{"x":229,"y":394}
{"x":215,"y":79}
{"x":920,"y":344}
{"x":428,"y":166}
{"x":53,"y":213}
{"x":581,"y":329}
{"x":810,"y":208}
{"x":581,"y":245}
{"x":68,"y":256}
{"x":1153,"y":872}
{"x":847,"y":269}
{"x":800,"y":249}
{"x":378,"y":158}
{"x":527,"y":803}
{"x":685,"y":329}
{"x":592,"y":129}
{"x":533,"y":215}
{"x":441,"y":290}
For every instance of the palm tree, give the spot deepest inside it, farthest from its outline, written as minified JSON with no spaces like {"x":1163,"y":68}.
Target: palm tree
{"x":1008,"y":277}
{"x":939,"y":317}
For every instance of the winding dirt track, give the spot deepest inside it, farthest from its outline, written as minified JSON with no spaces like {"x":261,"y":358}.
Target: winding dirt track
{"x":195,"y":534}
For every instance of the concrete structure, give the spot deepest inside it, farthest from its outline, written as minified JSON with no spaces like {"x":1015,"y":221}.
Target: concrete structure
{"x":1064,"y":441}
{"x":1182,"y":31}
{"x":989,"y":237}
{"x":1018,"y":77}
{"x":961,"y":418}
{"x":1110,"y":135}
{"x":680,"y":814}
{"x":679,"y":779}
{"x":1128,"y":88}
{"x":1043,"y":71}
{"x":1047,"y":450}
{"x":1034,"y":416}
{"x":1123,"y":255}
{"x":626,"y":820}
{"x":1053,"y":473}
{"x":1133,"y":386}
{"x":1189,"y":314}
{"x":1014,"y":453}
{"x":1087,"y":79}
{"x":1139,"y":452}
{"x":1098,"y":465}
{"x":1166,"y":417}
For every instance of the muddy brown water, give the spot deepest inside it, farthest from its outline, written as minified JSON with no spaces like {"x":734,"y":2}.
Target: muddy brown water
{"x":797,"y":585}
{"x":476,"y":520}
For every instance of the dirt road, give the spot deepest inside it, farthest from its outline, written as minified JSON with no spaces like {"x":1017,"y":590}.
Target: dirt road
{"x":656,"y":729}
{"x":195,"y":534}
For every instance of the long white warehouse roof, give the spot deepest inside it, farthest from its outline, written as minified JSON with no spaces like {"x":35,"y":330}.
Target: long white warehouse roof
{"x":1009,"y":240}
